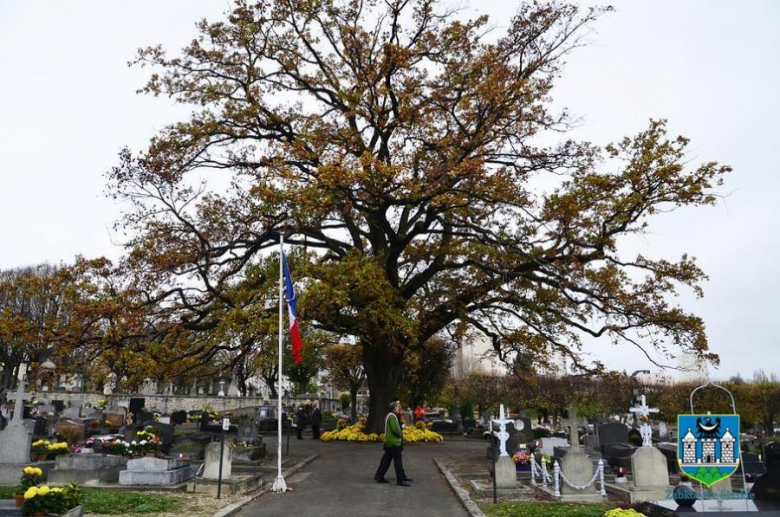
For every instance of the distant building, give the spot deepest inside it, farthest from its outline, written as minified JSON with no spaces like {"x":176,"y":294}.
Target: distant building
{"x":655,"y":379}
{"x":692,"y":369}
{"x":476,"y":355}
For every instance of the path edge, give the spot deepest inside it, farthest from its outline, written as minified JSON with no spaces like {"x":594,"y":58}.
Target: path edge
{"x":239,"y":505}
{"x":463,"y":495}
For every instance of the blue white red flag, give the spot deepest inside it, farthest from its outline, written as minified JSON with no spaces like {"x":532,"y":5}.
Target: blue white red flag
{"x":292,"y":309}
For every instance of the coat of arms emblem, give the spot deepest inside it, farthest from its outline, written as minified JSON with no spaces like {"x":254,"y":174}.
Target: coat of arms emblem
{"x":708,"y":446}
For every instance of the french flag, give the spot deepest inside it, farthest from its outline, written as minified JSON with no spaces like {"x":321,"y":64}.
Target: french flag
{"x":292,"y":304}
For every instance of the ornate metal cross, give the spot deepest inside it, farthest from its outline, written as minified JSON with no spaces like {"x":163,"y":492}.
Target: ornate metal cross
{"x":503,"y":435}
{"x":644,"y":428}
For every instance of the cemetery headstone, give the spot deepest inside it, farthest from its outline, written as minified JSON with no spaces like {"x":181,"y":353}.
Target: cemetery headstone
{"x":524,"y":432}
{"x":59,"y":405}
{"x":87,"y":469}
{"x":612,"y":432}
{"x":211,"y":462}
{"x":576,"y":466}
{"x":70,"y":429}
{"x":72,"y":412}
{"x":155,"y":472}
{"x":144,"y":418}
{"x":766,"y":486}
{"x":40,"y":428}
{"x":179,"y":417}
{"x":505,"y":472}
{"x":114,"y":419}
{"x":136,"y":406}
{"x":165,"y":433}
{"x":15,"y":440}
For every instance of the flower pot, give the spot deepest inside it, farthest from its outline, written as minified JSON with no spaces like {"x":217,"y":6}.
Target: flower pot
{"x":522,"y":468}
{"x":19,"y":498}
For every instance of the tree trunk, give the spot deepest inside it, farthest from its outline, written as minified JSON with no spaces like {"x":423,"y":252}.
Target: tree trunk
{"x":384,"y":369}
{"x":353,"y":402}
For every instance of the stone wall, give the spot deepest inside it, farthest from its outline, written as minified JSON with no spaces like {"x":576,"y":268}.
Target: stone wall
{"x":165,"y":404}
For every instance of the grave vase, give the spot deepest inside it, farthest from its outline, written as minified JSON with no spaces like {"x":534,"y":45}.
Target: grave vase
{"x":19,"y":498}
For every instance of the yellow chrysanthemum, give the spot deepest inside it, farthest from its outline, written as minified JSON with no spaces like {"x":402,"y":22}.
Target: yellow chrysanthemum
{"x":28,"y":470}
{"x":38,"y":472}
{"x":44,"y":490}
{"x":31,"y":492}
{"x":56,"y":490}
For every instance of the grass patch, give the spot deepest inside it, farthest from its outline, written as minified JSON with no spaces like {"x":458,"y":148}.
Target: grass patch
{"x":543,"y":509}
{"x":120,"y":503}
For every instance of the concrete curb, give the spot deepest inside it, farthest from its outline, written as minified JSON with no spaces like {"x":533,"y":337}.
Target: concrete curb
{"x":239,"y":505}
{"x":462,"y":494}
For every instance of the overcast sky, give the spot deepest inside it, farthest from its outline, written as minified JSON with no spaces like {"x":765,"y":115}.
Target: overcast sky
{"x":68,"y":103}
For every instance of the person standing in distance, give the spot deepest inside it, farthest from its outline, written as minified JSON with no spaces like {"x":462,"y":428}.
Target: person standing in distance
{"x":394,"y":445}
{"x":316,"y":421}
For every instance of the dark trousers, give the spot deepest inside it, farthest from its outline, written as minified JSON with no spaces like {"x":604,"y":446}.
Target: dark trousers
{"x":300,"y":431}
{"x":315,"y":431}
{"x":391,"y":454}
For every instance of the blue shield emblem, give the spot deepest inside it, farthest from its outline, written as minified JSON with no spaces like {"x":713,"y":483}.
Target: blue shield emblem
{"x":708,"y":446}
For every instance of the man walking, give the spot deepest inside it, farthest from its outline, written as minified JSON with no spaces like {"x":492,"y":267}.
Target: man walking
{"x":316,"y":421}
{"x":393,"y":447}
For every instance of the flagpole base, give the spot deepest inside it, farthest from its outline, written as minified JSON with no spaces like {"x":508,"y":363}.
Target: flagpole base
{"x":279,"y":484}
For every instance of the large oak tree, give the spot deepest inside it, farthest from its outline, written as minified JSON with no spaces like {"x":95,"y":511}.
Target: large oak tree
{"x":401,"y":146}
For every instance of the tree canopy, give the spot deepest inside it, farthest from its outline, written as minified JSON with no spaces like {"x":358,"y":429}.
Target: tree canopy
{"x":398,"y":147}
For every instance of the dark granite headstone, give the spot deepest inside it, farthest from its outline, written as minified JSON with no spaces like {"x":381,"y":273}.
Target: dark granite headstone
{"x":524,"y":432}
{"x":618,"y":455}
{"x":179,"y":417}
{"x":767,"y":486}
{"x":634,"y":437}
{"x":611,"y":432}
{"x":752,"y":464}
{"x":58,"y":405}
{"x":40,"y":428}
{"x":144,"y":418}
{"x":135,"y":407}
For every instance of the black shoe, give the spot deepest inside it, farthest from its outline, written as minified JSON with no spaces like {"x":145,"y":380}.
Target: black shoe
{"x":408,"y":480}
{"x":404,"y":483}
{"x":381,"y":480}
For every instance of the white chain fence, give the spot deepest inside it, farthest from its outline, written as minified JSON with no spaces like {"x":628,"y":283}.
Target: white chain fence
{"x":559,"y":476}
{"x":539,"y":470}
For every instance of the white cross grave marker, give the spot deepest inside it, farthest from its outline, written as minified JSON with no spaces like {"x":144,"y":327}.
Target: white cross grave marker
{"x":503,"y":435}
{"x":573,"y":423}
{"x":19,"y":396}
{"x":644,"y":429}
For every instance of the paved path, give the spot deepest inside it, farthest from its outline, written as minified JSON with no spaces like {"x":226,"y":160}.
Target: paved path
{"x":340,"y":483}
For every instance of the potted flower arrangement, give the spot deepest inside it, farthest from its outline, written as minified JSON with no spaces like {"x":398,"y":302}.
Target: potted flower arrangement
{"x":58,"y":449}
{"x":30,"y":477}
{"x":148,"y":443}
{"x":522,"y":460}
{"x":41,"y":501}
{"x":39,"y":450}
{"x":121,"y":448}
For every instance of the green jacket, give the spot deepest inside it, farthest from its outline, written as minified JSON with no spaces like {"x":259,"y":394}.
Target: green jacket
{"x":393,"y":434}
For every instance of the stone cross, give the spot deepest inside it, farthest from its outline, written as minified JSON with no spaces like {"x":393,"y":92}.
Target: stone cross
{"x":503,"y":435}
{"x":573,"y":422}
{"x":644,"y":428}
{"x":19,"y":397}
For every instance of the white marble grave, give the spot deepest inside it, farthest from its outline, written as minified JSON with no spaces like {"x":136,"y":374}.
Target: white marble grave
{"x":211,"y":462}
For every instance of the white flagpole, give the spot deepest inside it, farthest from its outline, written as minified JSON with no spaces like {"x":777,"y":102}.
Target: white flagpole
{"x":279,"y":484}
